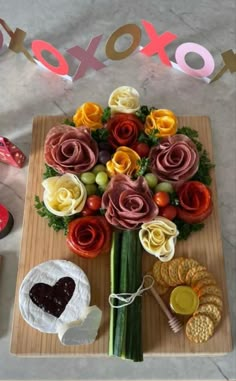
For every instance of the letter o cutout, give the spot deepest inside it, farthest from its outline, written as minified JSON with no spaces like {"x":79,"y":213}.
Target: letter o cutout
{"x":1,"y":40}
{"x":191,"y":47}
{"x":132,"y":29}
{"x":39,"y":45}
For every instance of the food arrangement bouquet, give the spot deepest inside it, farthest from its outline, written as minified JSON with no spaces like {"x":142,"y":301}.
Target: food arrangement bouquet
{"x":120,"y":180}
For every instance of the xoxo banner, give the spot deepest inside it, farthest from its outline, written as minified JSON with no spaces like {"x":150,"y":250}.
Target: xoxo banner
{"x":86,"y":58}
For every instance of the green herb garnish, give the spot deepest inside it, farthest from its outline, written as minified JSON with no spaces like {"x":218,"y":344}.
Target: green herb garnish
{"x":205,"y":164}
{"x":69,"y":122}
{"x":49,"y":172}
{"x":144,"y":164}
{"x":151,"y":139}
{"x":143,"y":112}
{"x":186,"y":229}
{"x":106,"y":114}
{"x":56,"y":222}
{"x":100,"y":135}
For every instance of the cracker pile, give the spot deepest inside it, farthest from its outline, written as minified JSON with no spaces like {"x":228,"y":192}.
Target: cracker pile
{"x":187,"y":271}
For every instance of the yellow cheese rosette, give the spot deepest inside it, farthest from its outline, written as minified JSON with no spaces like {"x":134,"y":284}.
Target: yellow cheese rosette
{"x":64,"y":195}
{"x":162,"y":120}
{"x":158,"y":238}
{"x":124,"y":161}
{"x":89,"y":115}
{"x":124,"y":99}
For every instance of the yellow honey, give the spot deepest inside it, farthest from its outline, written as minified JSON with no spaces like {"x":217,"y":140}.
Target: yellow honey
{"x":184,"y":300}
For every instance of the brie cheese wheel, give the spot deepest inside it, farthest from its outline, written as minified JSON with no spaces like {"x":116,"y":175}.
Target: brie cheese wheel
{"x":48,"y":283}
{"x":82,"y":331}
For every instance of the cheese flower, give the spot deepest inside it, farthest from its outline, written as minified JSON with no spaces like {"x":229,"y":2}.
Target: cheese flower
{"x":89,"y":115}
{"x":124,"y":161}
{"x":162,"y":120}
{"x":124,"y":99}
{"x":64,"y":195}
{"x":158,"y":238}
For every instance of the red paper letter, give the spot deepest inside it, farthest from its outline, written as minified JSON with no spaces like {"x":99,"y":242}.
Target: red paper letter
{"x":157,"y":43}
{"x":39,"y":45}
{"x":86,"y":57}
{"x":1,"y":40}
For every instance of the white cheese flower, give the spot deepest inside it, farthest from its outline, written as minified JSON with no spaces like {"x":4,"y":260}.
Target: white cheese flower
{"x":64,"y":195}
{"x":124,"y":99}
{"x":158,"y":237}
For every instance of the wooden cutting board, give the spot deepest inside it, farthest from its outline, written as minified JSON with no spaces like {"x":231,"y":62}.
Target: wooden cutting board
{"x":40,"y":243}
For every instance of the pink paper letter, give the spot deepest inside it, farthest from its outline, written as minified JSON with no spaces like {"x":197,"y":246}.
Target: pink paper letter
{"x":1,"y":40}
{"x":157,"y":43}
{"x":39,"y":45}
{"x":86,"y":57}
{"x":191,"y":47}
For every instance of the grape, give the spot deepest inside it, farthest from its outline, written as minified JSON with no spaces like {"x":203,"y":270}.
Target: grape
{"x":104,"y":156}
{"x":102,"y":188}
{"x":164,"y":187}
{"x":91,"y":189}
{"x":101,"y":178}
{"x":104,"y":146}
{"x":151,"y":180}
{"x":99,"y":168}
{"x":88,"y":178}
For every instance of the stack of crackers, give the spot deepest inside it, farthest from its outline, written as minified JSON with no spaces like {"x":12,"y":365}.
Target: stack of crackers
{"x":187,"y":271}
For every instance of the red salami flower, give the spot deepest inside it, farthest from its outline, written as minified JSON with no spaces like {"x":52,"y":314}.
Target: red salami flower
{"x":128,"y":203}
{"x":195,"y":202}
{"x":124,"y":129}
{"x":89,"y":236}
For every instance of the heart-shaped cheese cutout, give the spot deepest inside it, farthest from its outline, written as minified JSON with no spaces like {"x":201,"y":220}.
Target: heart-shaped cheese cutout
{"x":53,"y":299}
{"x":82,"y":331}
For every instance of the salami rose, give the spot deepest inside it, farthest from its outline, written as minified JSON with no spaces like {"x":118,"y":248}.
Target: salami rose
{"x":71,"y":150}
{"x":128,"y":203}
{"x":175,"y":159}
{"x":89,"y":236}
{"x":195,"y":202}
{"x":123,"y":130}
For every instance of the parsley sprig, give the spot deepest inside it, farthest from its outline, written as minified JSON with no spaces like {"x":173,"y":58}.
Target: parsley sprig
{"x":49,"y":172}
{"x":69,"y":122}
{"x":205,"y":164}
{"x":106,"y":114}
{"x":56,"y":222}
{"x":186,"y":229}
{"x":151,"y":139}
{"x":144,"y":164}
{"x":100,"y":135}
{"x":143,"y":112}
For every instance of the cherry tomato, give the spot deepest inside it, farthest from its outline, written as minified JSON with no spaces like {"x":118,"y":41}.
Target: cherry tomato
{"x":87,"y":212}
{"x":168,"y":212}
{"x":162,"y":199}
{"x":94,"y":202}
{"x":142,"y":149}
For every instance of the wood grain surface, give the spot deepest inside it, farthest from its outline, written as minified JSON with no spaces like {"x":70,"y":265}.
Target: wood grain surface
{"x":40,"y":243}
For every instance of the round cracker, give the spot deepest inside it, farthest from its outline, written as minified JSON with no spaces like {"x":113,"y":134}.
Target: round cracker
{"x":173,"y":270}
{"x":210,"y":290}
{"x":199,"y":328}
{"x":165,"y":273}
{"x":192,"y":272}
{"x":199,"y":275}
{"x":160,"y":289}
{"x":208,"y":281}
{"x":213,"y":299}
{"x":210,"y":310}
{"x":156,"y":271}
{"x":185,"y":266}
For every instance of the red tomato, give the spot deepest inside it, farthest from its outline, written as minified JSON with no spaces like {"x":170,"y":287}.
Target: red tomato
{"x":162,"y":199}
{"x":87,"y":212}
{"x":94,"y":202}
{"x":168,"y":212}
{"x":142,"y":149}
